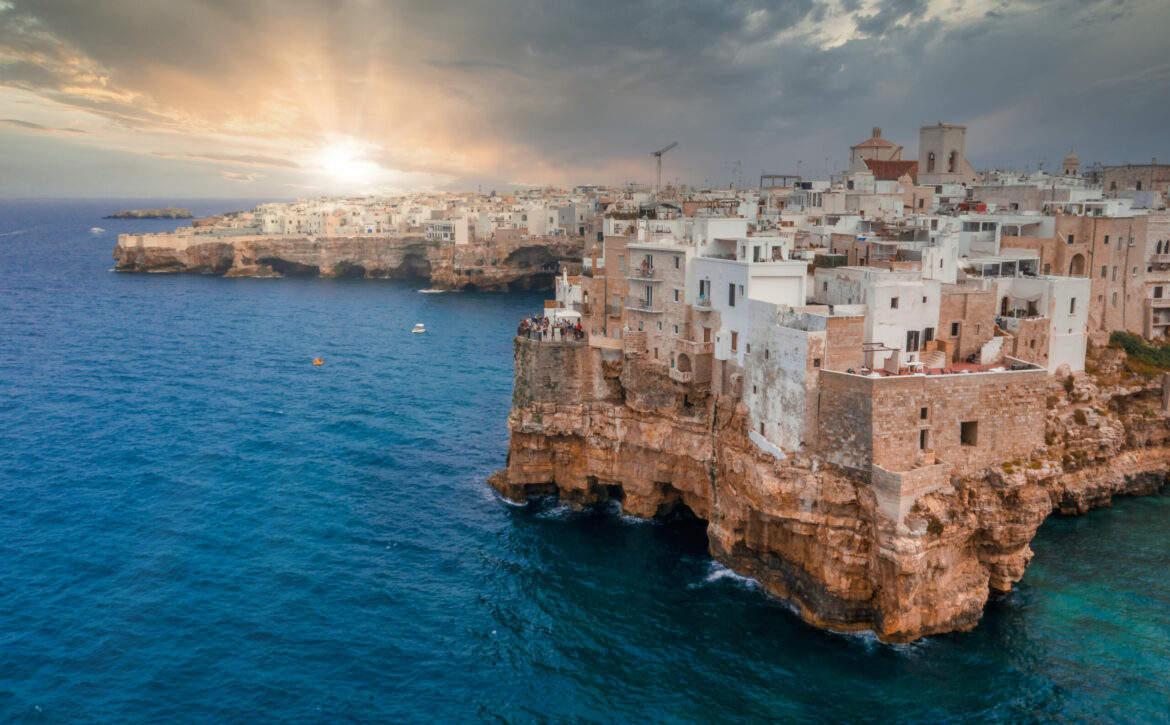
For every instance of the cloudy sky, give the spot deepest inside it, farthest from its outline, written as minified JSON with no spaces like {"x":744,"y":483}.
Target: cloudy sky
{"x":286,"y":98}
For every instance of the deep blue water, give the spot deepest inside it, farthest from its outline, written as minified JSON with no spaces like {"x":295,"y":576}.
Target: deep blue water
{"x":197,"y":525}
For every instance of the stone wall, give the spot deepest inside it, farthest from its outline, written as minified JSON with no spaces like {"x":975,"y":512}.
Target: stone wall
{"x":1002,"y":413}
{"x":973,"y":310}
{"x":1030,"y":340}
{"x":551,"y":372}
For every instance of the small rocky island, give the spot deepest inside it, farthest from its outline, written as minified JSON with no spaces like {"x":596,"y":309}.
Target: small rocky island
{"x":170,"y":212}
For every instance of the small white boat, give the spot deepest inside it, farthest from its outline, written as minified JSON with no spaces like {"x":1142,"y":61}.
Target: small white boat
{"x":419,"y":328}
{"x":96,"y":230}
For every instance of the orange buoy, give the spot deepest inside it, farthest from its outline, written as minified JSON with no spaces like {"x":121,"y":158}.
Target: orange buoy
{"x":318,"y":361}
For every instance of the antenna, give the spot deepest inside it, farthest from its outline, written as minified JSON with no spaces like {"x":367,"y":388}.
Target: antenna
{"x":658,"y":155}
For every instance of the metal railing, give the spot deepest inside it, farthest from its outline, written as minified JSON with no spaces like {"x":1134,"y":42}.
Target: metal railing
{"x":641,"y":304}
{"x":642,"y":272}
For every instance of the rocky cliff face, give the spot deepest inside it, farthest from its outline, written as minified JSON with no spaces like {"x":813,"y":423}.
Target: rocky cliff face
{"x":592,"y":430}
{"x":483,"y":265}
{"x":506,"y":264}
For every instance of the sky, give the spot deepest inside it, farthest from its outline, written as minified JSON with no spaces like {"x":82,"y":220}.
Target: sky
{"x":294,"y":98}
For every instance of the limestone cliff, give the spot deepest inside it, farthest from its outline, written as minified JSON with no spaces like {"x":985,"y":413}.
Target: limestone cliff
{"x":592,"y":427}
{"x":485,"y":265}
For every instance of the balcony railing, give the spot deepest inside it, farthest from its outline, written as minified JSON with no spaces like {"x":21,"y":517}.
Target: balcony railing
{"x":1160,"y":260}
{"x":614,"y":310}
{"x":641,"y":304}
{"x":692,"y":348}
{"x":644,"y":272}
{"x":1159,"y":302}
{"x":687,"y":377}
{"x":702,"y":304}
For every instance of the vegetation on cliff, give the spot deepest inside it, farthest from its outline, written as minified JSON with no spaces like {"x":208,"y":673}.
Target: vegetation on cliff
{"x":169,"y":212}
{"x":1137,"y":351}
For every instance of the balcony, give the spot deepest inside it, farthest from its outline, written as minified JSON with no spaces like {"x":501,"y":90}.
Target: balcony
{"x":1159,"y":303}
{"x":644,"y":273}
{"x":1160,"y":260}
{"x":702,"y":304}
{"x":694,"y":349}
{"x":613,"y":310}
{"x":641,"y":304}
{"x":680,"y":376}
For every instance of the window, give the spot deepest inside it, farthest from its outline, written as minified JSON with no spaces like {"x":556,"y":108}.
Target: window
{"x":922,"y":439}
{"x":912,"y":341}
{"x":1114,"y":299}
{"x":741,"y":290}
{"x":1158,"y":293}
{"x":1114,"y":273}
{"x":920,"y":203}
{"x":893,"y":303}
{"x":1070,"y":238}
{"x":731,"y":295}
{"x":676,"y":261}
{"x":639,"y":325}
{"x":734,"y":340}
{"x":922,"y":412}
{"x":969,"y":433}
{"x":748,"y":349}
{"x":765,"y":353}
{"x":930,"y":161}
{"x":816,"y":362}
{"x":954,"y":329}
{"x":676,"y":329}
{"x":1139,"y":186}
{"x":1072,"y":306}
{"x":1104,"y":270}
{"x":928,"y":334}
{"x":1106,"y":238}
{"x":1047,"y":268}
{"x":660,"y":327}
{"x":824,"y":286}
{"x":761,"y":427}
{"x":1134,"y":272}
{"x":676,"y":295}
{"x":951,"y":161}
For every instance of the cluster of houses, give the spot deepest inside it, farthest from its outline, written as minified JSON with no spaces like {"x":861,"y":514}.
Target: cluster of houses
{"x":901,"y":316}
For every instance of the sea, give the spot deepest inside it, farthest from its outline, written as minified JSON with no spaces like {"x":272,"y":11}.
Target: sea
{"x":198,"y":525}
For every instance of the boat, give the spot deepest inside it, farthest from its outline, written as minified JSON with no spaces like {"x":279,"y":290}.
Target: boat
{"x":419,"y":328}
{"x":318,"y":361}
{"x":96,"y":230}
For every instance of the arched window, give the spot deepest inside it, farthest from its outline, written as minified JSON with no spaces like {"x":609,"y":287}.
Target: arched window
{"x":1159,"y":247}
{"x":951,"y":162}
{"x":930,"y":161}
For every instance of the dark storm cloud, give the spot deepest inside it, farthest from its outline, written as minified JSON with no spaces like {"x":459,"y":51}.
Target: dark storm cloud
{"x":566,"y":91}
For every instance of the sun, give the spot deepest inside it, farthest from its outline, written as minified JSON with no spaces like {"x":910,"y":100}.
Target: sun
{"x":347,"y":163}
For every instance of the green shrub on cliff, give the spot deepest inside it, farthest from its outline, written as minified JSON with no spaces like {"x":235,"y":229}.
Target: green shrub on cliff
{"x":1137,"y":350}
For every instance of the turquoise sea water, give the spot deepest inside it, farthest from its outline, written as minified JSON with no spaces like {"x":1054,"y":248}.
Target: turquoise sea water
{"x":197,"y":525}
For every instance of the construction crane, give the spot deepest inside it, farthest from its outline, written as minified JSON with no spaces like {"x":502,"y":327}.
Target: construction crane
{"x":658,"y":155}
